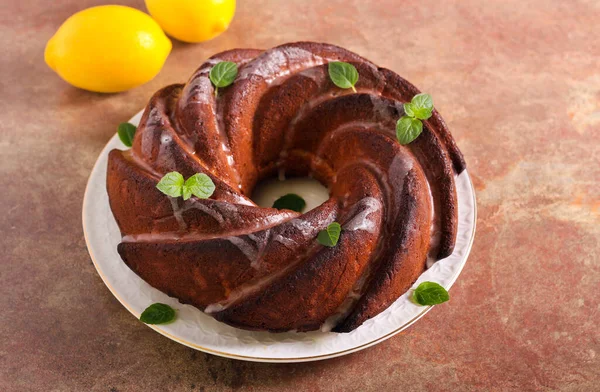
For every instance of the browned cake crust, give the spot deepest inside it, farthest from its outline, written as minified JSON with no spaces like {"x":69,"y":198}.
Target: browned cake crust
{"x":262,"y":268}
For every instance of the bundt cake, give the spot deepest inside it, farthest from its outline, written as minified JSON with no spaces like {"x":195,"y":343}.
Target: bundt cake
{"x":263,"y":268}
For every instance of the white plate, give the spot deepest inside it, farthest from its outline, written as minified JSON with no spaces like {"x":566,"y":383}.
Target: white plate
{"x":197,"y":330}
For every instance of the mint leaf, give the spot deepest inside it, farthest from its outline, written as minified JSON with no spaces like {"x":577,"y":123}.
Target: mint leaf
{"x":421,"y":106}
{"x":408,"y":109}
{"x":171,"y":184}
{"x":343,"y":75}
{"x":291,"y":201}
{"x":408,"y":129}
{"x":330,"y":236}
{"x":126,"y":133}
{"x":223,"y":74}
{"x":430,"y":293}
{"x":158,"y":314}
{"x":199,"y":185}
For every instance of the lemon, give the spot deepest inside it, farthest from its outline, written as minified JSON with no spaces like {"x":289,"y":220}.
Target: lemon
{"x":108,"y":49}
{"x":192,"y":20}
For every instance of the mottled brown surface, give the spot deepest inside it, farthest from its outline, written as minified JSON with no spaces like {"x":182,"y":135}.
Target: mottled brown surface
{"x":518,"y":83}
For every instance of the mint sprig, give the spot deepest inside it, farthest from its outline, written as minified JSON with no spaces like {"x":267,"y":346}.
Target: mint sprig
{"x":200,"y":185}
{"x":158,"y":314}
{"x":126,"y":133}
{"x":343,"y":75}
{"x":410,"y":126}
{"x":291,"y":201}
{"x":330,"y":236}
{"x":430,"y":293}
{"x":223,"y":74}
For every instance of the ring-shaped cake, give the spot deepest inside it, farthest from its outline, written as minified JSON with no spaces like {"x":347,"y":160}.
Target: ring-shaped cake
{"x":263,"y":268}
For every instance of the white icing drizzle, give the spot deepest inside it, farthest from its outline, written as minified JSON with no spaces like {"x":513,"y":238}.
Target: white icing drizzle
{"x":171,"y":236}
{"x":163,"y":158}
{"x":246,"y":248}
{"x":270,"y":220}
{"x":212,"y":212}
{"x":208,"y":64}
{"x":214,"y":308}
{"x":239,"y":199}
{"x":360,"y":221}
{"x":178,"y":213}
{"x":225,"y":209}
{"x":244,"y":291}
{"x":222,"y":211}
{"x":400,"y":167}
{"x":304,"y":226}
{"x":279,"y":62}
{"x":398,"y":170}
{"x":261,"y":241}
{"x":331,"y":135}
{"x":315,"y":73}
{"x":348,"y":304}
{"x":257,"y":240}
{"x":308,"y":229}
{"x":380,"y":106}
{"x":382,"y":109}
{"x":224,"y":137}
{"x":380,"y":78}
{"x":306,"y":108}
{"x":287,"y":242}
{"x":253,"y":287}
{"x":218,"y":210}
{"x":140,"y":162}
{"x":147,"y":142}
{"x":434,"y":232}
{"x":275,"y":66}
{"x":242,"y":200}
{"x":201,"y":91}
{"x":167,"y":137}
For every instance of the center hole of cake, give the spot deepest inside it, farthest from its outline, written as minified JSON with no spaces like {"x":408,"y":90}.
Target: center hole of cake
{"x":312,"y":191}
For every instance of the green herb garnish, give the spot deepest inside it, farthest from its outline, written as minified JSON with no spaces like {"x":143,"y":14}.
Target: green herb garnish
{"x":410,"y":126}
{"x":408,"y":129}
{"x":126,"y":133}
{"x":199,"y":185}
{"x":430,"y":293}
{"x":343,"y":75}
{"x":421,"y":107}
{"x":291,"y":201}
{"x":171,"y":184}
{"x":223,"y":74}
{"x":330,"y":236}
{"x":158,"y":314}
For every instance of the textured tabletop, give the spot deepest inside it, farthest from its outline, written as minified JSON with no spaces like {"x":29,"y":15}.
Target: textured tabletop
{"x":518,"y":83}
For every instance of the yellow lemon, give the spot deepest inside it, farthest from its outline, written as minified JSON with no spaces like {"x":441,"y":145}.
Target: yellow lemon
{"x":192,"y":20}
{"x":108,"y":49}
